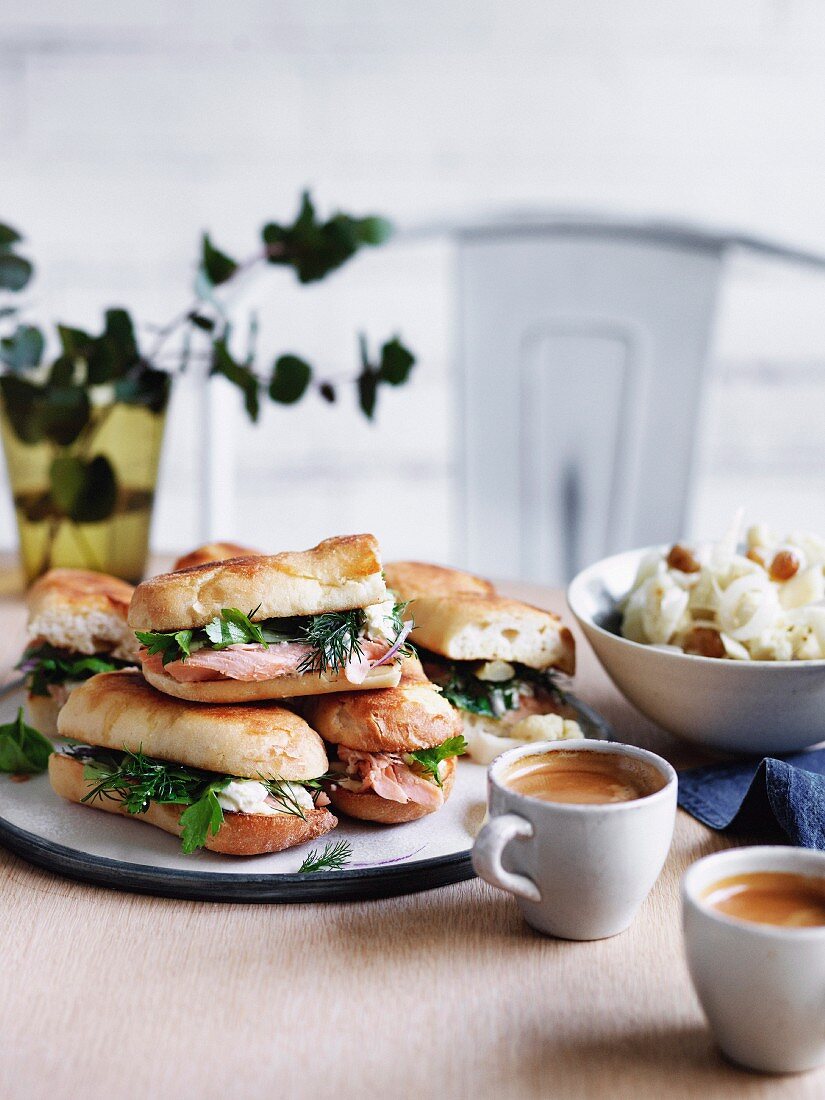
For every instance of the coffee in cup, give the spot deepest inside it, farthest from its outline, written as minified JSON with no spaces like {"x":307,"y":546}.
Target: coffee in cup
{"x":754,"y":924}
{"x":780,"y":898}
{"x":577,"y":833}
{"x":584,"y":778}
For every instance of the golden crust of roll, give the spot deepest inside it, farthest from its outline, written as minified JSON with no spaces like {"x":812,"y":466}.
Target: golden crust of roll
{"x":214,"y":551}
{"x":368,"y":806}
{"x":81,"y":611}
{"x":411,"y":579}
{"x":412,"y":716}
{"x":119,"y":710}
{"x":240,"y":834}
{"x":336,"y":575}
{"x":492,"y":628}
{"x":282,"y":687}
{"x":42,"y":712}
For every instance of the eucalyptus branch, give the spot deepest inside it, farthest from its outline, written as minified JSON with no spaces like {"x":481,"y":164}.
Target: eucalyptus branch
{"x":49,"y":402}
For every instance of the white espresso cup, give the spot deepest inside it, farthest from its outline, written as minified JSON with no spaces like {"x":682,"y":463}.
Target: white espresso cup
{"x":580,"y":871}
{"x":762,"y":986}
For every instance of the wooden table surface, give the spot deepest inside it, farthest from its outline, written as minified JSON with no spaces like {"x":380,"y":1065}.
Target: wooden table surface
{"x":439,"y":994}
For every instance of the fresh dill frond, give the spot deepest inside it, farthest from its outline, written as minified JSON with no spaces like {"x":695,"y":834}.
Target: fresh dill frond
{"x":280,"y":791}
{"x":335,"y":638}
{"x":334,"y":856}
{"x":136,"y":781}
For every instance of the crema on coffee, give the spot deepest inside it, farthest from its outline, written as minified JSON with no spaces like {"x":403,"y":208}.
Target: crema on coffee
{"x":781,"y":898}
{"x":583,"y":777}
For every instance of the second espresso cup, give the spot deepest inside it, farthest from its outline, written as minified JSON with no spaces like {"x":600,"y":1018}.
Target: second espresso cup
{"x":580,"y":870}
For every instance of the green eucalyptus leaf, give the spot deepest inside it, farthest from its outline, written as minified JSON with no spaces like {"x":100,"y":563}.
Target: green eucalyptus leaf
{"x":148,"y":387}
{"x":239,"y":374}
{"x":314,"y":248}
{"x":85,"y":492}
{"x":23,"y":405}
{"x":67,"y":476}
{"x":119,"y":329}
{"x":367,"y":391}
{"x":74,"y":341}
{"x":15,"y":271}
{"x":327,"y":391}
{"x":290,"y":379}
{"x":8,"y":236}
{"x":61,"y":372}
{"x":65,"y":411}
{"x":24,"y":349}
{"x":57,"y":413}
{"x":396,"y":363}
{"x":218,"y":266}
{"x":373,"y":230}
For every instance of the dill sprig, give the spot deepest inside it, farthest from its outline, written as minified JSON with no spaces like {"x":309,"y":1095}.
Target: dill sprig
{"x":335,"y":638}
{"x":136,"y":780}
{"x":281,"y":791}
{"x":334,"y":856}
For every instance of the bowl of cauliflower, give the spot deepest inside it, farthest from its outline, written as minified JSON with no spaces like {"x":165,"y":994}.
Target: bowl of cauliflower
{"x":721,"y":643}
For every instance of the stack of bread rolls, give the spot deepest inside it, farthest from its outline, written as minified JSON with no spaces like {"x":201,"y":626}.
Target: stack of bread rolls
{"x":262,"y":688}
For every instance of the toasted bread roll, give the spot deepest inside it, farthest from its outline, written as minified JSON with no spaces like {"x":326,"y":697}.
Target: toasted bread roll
{"x":411,"y":716}
{"x":82,"y":612}
{"x":491,"y":628}
{"x":284,"y":687}
{"x":214,"y":551}
{"x":337,"y":575}
{"x":240,"y":834}
{"x":411,"y":579}
{"x":368,"y":806}
{"x":119,"y":710}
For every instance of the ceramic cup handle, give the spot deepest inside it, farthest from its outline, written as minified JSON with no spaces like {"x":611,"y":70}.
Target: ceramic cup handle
{"x":487,"y":851}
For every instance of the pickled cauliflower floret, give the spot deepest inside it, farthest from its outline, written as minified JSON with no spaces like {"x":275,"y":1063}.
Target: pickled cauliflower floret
{"x":760,"y":598}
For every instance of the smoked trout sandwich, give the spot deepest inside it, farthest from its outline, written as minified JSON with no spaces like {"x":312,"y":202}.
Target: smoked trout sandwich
{"x":395,"y":750}
{"x":238,"y":780}
{"x":273,"y":626}
{"x":77,"y":627}
{"x":495,"y":660}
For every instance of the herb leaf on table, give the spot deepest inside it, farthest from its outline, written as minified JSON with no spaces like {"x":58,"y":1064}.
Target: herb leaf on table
{"x":23,"y":749}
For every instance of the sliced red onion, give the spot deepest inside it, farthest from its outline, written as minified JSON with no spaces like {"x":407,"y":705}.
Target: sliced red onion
{"x":396,"y":645}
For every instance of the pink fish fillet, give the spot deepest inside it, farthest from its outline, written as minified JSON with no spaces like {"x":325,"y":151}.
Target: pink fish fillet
{"x":248,"y":662}
{"x":391,"y":778}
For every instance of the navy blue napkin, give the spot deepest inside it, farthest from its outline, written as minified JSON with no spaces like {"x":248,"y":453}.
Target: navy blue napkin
{"x":772,"y":799}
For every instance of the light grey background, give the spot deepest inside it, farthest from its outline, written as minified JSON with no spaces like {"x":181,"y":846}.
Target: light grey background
{"x":125,"y":130}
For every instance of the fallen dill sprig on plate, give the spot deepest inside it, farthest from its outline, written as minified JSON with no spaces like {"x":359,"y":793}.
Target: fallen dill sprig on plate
{"x":334,"y":856}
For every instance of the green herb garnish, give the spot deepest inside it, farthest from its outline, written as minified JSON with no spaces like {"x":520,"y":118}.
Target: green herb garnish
{"x":430,"y":759}
{"x":137,"y":780}
{"x":46,"y":665}
{"x":463,"y":689}
{"x":335,"y":637}
{"x":23,"y":749}
{"x":174,"y":645}
{"x":333,"y":858}
{"x":202,"y":817}
{"x":280,"y":791}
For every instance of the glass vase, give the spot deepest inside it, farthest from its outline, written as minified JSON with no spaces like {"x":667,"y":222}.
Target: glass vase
{"x":85,"y":504}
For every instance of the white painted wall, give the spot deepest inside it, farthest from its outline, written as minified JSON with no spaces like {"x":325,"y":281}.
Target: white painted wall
{"x":127,"y":129}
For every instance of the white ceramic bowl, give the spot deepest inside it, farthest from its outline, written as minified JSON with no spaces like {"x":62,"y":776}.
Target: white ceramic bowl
{"x":735,"y":706}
